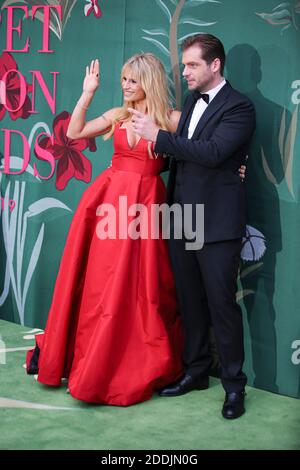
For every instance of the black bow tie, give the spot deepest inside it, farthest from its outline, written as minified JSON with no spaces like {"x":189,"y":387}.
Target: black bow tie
{"x":198,"y":96}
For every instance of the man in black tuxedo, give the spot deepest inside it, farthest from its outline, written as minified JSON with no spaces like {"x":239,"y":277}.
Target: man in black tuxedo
{"x":210,"y":144}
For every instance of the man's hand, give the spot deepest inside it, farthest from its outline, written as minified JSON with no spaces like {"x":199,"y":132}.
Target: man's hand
{"x":143,"y":125}
{"x":242,"y":172}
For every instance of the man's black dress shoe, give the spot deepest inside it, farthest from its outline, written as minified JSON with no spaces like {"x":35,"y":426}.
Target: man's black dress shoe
{"x":233,"y":405}
{"x":184,"y":385}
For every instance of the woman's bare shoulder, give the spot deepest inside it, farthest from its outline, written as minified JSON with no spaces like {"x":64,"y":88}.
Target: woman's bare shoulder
{"x":112,"y":113}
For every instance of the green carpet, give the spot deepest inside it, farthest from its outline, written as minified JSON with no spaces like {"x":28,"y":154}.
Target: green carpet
{"x":33,"y":416}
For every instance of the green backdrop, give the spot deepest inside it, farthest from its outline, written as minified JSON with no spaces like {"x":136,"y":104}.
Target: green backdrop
{"x":261,"y":38}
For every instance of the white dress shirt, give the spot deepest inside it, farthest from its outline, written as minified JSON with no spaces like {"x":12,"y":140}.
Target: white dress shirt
{"x":201,"y":106}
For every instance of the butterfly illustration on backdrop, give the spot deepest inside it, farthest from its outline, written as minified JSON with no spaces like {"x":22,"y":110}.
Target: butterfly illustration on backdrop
{"x":92,"y":6}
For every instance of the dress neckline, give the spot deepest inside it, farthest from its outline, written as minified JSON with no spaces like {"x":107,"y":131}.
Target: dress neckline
{"x":137,"y":142}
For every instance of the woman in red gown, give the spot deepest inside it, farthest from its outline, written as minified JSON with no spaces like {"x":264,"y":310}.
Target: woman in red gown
{"x":113,"y":328}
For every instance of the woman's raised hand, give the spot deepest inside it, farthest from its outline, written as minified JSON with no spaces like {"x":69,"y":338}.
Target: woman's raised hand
{"x":92,"y":77}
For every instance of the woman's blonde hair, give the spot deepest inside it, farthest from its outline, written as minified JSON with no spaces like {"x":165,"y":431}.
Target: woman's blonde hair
{"x":149,"y":72}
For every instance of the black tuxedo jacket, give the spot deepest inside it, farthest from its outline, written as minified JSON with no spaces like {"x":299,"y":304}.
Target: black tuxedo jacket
{"x":204,"y":169}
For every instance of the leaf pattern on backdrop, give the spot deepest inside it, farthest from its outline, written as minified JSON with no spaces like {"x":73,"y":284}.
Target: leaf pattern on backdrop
{"x":286,"y":141}
{"x":284,"y":15}
{"x":166,"y":40}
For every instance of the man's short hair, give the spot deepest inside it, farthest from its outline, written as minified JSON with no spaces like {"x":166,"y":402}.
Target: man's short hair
{"x":211,"y":47}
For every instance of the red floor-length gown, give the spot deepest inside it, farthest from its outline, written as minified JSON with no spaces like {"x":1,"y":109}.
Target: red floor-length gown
{"x":113,"y":328}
